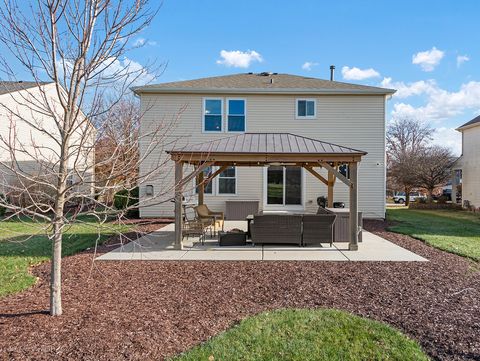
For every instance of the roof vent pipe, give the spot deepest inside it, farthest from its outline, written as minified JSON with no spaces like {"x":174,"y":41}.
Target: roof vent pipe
{"x":332,"y":71}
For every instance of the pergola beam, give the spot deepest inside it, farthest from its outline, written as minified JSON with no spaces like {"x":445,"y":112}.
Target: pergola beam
{"x":316,"y":175}
{"x":337,"y":174}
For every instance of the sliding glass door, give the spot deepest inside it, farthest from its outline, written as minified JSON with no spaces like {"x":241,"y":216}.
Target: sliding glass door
{"x":283,"y":187}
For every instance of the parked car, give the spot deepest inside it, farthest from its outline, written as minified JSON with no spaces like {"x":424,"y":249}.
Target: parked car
{"x":400,"y":197}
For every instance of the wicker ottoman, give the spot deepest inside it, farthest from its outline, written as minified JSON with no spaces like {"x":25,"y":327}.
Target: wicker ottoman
{"x":232,"y":238}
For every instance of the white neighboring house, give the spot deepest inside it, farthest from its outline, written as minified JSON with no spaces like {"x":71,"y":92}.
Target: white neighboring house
{"x":27,"y":127}
{"x":469,"y":162}
{"x":350,"y":115}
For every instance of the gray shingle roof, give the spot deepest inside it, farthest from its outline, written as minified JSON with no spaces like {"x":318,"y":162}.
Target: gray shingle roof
{"x":471,"y":122}
{"x":268,"y":82}
{"x":13,"y":86}
{"x":268,"y":143}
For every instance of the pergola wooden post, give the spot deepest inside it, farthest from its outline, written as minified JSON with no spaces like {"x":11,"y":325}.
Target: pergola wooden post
{"x":353,"y":245}
{"x":178,"y":204}
{"x":201,"y":188}
{"x":331,"y":182}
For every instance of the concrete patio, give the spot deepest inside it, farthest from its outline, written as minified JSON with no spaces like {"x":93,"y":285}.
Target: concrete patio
{"x":159,"y":245}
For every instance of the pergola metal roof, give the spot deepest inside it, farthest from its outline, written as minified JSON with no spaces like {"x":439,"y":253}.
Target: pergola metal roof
{"x":266,"y":147}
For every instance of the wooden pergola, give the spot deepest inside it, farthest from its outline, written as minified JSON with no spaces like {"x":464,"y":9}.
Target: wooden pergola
{"x":264,"y":149}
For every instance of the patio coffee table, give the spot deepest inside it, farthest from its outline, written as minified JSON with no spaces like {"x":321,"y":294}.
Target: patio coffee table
{"x":232,"y":238}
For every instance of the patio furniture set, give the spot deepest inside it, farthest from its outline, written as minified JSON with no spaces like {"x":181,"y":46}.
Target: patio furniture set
{"x":265,"y":228}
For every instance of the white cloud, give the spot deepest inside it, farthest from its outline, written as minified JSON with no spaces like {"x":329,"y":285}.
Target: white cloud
{"x":448,"y":137}
{"x":239,"y":59}
{"x":428,"y":59}
{"x":139,"y":42}
{"x":142,"y":41}
{"x":308,"y":65}
{"x":358,"y":74}
{"x":410,"y":89}
{"x":462,"y":59}
{"x":127,"y":72}
{"x":442,"y":104}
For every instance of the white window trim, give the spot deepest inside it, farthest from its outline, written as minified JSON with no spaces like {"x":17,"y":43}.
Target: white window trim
{"x":314,"y":116}
{"x":216,"y":187}
{"x":211,"y":182}
{"x":236,"y":184}
{"x":204,"y":100}
{"x":283,"y":207}
{"x":228,"y":113}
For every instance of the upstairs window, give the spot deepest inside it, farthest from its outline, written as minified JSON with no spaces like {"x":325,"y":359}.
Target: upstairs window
{"x":236,"y":115}
{"x":212,"y":115}
{"x":227,"y":181}
{"x":306,"y":108}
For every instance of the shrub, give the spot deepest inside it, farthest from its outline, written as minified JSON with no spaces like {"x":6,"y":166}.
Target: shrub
{"x":422,"y":200}
{"x":442,"y":199}
{"x":3,"y":210}
{"x":126,"y":199}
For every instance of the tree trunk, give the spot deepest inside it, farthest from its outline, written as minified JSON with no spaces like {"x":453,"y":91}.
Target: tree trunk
{"x":56,"y":271}
{"x":407,"y":196}
{"x":57,"y":237}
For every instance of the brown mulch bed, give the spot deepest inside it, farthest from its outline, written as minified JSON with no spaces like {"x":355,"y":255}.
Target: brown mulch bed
{"x":151,"y":310}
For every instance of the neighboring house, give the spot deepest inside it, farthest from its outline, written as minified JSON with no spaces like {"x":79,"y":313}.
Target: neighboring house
{"x":469,"y":163}
{"x":28,"y":141}
{"x":205,"y":109}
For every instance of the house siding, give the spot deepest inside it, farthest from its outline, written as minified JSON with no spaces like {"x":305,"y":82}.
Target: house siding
{"x":470,"y":165}
{"x":39,"y":147}
{"x":356,"y":121}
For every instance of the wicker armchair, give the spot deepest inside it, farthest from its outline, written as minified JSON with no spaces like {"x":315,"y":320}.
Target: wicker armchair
{"x":276,"y":228}
{"x":210,"y":218}
{"x":194,"y":228}
{"x":318,"y":228}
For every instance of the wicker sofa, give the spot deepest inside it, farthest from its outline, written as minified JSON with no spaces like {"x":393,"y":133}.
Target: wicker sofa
{"x":277,"y":228}
{"x":308,"y":229}
{"x":318,"y":228}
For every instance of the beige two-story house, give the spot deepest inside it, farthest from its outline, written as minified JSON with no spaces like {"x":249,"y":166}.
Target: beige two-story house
{"x":469,"y":162}
{"x":196,"y":111}
{"x":29,"y":139}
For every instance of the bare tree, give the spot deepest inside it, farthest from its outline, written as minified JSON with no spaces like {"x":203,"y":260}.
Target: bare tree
{"x":120,"y":131}
{"x":74,"y":50}
{"x":406,"y":140}
{"x":433,"y":168}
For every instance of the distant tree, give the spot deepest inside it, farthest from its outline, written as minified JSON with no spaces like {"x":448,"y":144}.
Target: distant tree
{"x":407,"y":139}
{"x":433,"y":167}
{"x":116,"y":151}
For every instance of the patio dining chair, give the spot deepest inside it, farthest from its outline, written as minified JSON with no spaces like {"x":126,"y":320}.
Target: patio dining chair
{"x":210,"y":218}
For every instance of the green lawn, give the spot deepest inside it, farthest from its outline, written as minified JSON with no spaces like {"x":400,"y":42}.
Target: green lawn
{"x":23,"y":243}
{"x":307,"y":335}
{"x":452,"y":231}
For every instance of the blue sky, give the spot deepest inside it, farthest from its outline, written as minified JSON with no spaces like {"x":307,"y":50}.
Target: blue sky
{"x":429,"y":50}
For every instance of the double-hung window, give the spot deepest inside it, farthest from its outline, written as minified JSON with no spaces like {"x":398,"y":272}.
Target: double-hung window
{"x":208,"y":188}
{"x":236,"y":115}
{"x":212,"y":115}
{"x":306,"y":108}
{"x":227,"y":181}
